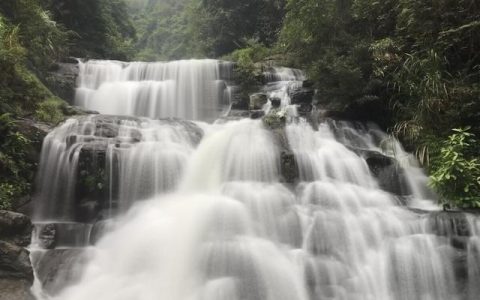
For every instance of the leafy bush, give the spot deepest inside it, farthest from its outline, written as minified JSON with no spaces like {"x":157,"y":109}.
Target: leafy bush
{"x":247,"y":69}
{"x":16,"y":172}
{"x":50,"y":111}
{"x":43,"y":39}
{"x":456,"y":171}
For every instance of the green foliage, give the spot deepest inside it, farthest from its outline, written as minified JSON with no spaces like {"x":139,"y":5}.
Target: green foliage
{"x":174,"y":29}
{"x":456,"y":172}
{"x":43,"y":40}
{"x":101,"y":28}
{"x":20,"y":89}
{"x":50,"y":111}
{"x":15,"y":169}
{"x":29,"y":44}
{"x":414,"y":59}
{"x":228,"y":25}
{"x":328,"y":39}
{"x":164,"y":30}
{"x":248,"y":63}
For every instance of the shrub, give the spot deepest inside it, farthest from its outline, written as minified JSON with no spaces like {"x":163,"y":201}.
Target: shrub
{"x":50,"y":111}
{"x":456,"y":171}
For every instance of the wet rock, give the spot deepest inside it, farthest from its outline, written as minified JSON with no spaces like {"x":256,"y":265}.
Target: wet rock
{"x":195,"y":132}
{"x":257,"y":114}
{"x":235,"y":113}
{"x":448,"y":223}
{"x":46,"y":234}
{"x":70,"y":110}
{"x":275,"y":119}
{"x":289,"y":167}
{"x":390,"y":176}
{"x":92,"y":192}
{"x":452,"y":225}
{"x":53,"y":235}
{"x":15,"y":262}
{"x":99,"y":229}
{"x":460,"y":268}
{"x":57,"y":268}
{"x":240,"y":100}
{"x":15,"y":228}
{"x":62,"y":80}
{"x":393,"y":180}
{"x":301,"y":95}
{"x":304,"y":109}
{"x":15,"y":290}
{"x":257,"y":101}
{"x":276,"y":102}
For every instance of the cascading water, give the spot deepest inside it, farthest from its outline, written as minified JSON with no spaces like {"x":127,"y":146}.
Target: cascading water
{"x":279,"y":81}
{"x":187,"y":89}
{"x":205,"y":211}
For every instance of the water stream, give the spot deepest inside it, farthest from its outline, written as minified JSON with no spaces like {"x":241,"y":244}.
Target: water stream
{"x":202,"y":210}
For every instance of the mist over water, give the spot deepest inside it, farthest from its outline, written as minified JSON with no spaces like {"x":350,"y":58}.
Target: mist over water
{"x":203,"y":211}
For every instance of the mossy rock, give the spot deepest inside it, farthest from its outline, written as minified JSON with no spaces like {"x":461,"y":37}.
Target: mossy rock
{"x":275,"y":119}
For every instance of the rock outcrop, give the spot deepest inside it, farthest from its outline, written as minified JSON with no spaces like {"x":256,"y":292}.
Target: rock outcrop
{"x":59,"y":267}
{"x":62,"y":80}
{"x":387,"y":171}
{"x":16,"y":273}
{"x":15,"y":228}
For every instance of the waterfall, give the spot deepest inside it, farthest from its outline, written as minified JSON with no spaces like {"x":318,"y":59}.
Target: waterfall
{"x":187,"y":89}
{"x":130,"y":207}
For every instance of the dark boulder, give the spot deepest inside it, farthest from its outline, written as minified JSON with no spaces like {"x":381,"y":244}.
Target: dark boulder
{"x":300,"y":94}
{"x":276,"y":102}
{"x":305,"y":109}
{"x":288,"y":167}
{"x":257,"y":101}
{"x":452,"y":225}
{"x":257,"y":114}
{"x":390,"y":175}
{"x":62,"y":80}
{"x":15,"y":228}
{"x":240,"y":100}
{"x":15,"y":262}
{"x":16,"y":273}
{"x":449,"y":223}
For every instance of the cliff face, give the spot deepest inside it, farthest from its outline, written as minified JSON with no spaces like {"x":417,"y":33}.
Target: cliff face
{"x":16,"y":273}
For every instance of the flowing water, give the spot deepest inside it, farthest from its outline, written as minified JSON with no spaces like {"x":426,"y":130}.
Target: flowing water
{"x":200,"y":210}
{"x":187,"y":89}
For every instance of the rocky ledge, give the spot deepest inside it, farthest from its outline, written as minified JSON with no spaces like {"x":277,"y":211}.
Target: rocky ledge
{"x":16,"y":273}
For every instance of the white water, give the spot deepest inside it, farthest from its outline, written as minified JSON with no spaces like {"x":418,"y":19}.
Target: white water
{"x":187,"y":89}
{"x":153,"y":152}
{"x":280,"y":80}
{"x":220,"y":224}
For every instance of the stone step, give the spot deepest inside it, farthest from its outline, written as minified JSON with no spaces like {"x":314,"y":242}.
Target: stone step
{"x":59,"y":235}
